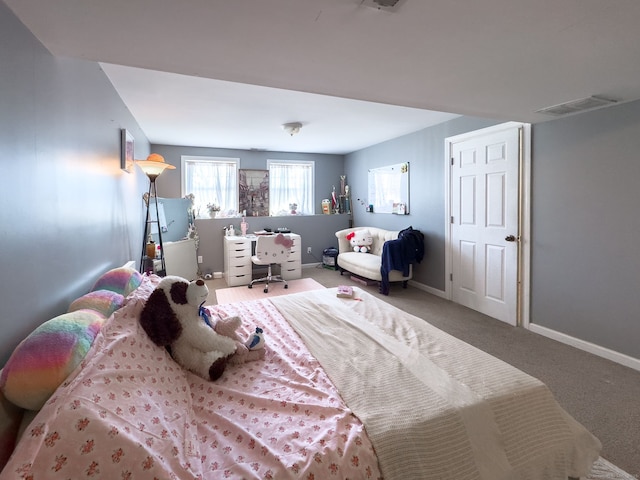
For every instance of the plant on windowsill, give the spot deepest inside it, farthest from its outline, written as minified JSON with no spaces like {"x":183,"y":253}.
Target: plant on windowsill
{"x":213,"y":209}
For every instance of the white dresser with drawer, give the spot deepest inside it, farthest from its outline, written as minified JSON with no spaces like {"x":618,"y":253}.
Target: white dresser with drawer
{"x":293,"y":268}
{"x":238,"y":265}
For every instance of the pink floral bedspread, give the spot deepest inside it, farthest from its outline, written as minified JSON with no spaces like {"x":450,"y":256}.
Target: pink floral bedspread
{"x":131,"y":412}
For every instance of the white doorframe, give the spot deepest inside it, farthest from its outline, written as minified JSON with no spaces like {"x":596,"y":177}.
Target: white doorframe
{"x":524,"y":207}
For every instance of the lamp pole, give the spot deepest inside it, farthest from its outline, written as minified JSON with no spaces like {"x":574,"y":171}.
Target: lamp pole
{"x":153,"y":166}
{"x":152,"y":194}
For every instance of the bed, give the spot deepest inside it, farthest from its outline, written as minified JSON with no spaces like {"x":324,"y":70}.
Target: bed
{"x":349,"y":388}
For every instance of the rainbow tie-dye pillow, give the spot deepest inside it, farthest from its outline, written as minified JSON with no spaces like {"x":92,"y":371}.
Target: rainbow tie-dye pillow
{"x":122,"y":280}
{"x":43,"y":360}
{"x":104,"y":302}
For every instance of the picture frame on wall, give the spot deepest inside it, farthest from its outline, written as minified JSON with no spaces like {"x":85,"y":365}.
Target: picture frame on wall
{"x":254,"y":192}
{"x":126,"y":150}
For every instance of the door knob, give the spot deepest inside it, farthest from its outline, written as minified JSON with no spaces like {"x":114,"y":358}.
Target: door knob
{"x":510,"y":238}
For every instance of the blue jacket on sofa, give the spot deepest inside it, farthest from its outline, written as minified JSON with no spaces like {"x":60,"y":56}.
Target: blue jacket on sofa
{"x":399,"y":254}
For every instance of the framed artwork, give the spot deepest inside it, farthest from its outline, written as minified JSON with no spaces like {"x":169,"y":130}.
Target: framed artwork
{"x":126,"y":150}
{"x":254,"y":192}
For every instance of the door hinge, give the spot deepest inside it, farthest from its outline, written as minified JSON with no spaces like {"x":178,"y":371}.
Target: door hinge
{"x":452,"y":220}
{"x":451,"y":277}
{"x":452,"y":161}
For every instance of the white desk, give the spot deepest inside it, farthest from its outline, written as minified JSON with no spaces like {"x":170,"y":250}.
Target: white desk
{"x":238,"y":266}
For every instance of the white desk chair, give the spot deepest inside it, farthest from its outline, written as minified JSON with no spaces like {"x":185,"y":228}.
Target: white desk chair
{"x":271,"y":250}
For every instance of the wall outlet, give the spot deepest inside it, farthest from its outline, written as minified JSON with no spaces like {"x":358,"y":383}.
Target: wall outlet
{"x":308,"y":249}
{"x":199,"y":258}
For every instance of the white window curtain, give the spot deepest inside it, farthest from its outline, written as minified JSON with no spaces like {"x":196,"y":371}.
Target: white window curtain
{"x":211,"y":181}
{"x":291,"y":182}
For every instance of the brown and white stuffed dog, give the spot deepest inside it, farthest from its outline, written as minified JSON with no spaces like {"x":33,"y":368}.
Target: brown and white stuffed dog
{"x":172,"y":318}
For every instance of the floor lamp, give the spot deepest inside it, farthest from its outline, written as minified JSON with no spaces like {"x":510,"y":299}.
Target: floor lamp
{"x":153,"y":166}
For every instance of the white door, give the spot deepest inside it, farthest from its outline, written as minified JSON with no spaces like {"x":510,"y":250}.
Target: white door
{"x":484,"y":223}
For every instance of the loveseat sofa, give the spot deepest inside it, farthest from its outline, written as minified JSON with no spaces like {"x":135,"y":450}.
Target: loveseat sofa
{"x":368,"y":265}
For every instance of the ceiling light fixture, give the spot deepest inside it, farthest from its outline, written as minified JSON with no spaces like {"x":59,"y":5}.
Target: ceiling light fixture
{"x":292,"y":128}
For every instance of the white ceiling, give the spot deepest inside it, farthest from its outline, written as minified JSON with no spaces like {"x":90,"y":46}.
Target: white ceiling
{"x":174,"y":109}
{"x":234,"y":71}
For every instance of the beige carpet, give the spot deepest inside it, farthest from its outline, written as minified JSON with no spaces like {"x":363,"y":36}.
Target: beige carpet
{"x":244,"y":293}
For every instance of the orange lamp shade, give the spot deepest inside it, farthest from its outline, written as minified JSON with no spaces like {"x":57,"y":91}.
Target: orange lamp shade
{"x":154,"y":165}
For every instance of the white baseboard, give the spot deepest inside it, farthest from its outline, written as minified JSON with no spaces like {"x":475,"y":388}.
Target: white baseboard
{"x":428,"y":289}
{"x":592,"y":348}
{"x":603,"y":352}
{"x":311,"y":265}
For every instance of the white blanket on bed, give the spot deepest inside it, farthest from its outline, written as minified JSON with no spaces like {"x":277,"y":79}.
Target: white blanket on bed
{"x":434,"y":406}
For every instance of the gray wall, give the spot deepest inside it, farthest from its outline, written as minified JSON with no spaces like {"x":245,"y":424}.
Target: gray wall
{"x":317,"y":231}
{"x":585,"y":173}
{"x":424,"y":150}
{"x":68,"y":212}
{"x":585,"y":227}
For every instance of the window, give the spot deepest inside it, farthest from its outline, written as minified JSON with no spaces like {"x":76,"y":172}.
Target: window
{"x":291,"y":187}
{"x":211,"y":180}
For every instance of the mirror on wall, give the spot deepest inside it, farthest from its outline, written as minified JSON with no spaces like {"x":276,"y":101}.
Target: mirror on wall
{"x":389,"y":189}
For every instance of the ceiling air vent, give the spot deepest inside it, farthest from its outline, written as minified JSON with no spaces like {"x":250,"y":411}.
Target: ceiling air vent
{"x":388,"y":5}
{"x":574,"y":106}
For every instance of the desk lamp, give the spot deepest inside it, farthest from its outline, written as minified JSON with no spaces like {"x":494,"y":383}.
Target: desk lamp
{"x":153,"y":166}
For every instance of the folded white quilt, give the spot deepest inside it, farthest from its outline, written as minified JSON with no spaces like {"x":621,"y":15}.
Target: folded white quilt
{"x":434,"y":406}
